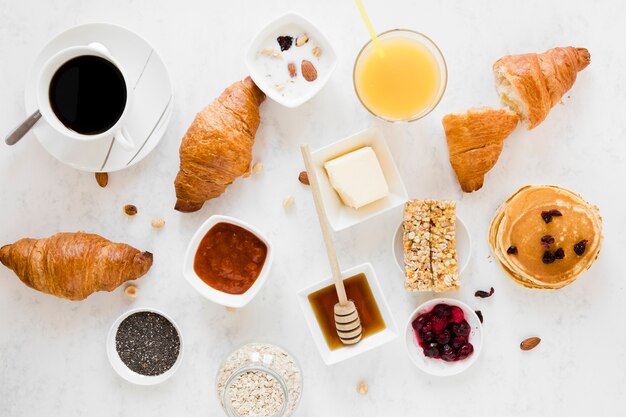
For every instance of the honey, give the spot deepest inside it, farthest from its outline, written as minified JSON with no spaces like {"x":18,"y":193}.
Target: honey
{"x":358,"y":290}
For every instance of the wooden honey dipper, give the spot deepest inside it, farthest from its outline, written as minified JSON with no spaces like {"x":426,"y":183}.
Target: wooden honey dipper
{"x":347,"y":321}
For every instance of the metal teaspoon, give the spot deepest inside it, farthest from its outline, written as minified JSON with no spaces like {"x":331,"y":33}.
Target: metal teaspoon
{"x":19,"y":132}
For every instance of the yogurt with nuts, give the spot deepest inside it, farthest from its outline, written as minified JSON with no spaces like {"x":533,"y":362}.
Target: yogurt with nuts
{"x":290,"y":61}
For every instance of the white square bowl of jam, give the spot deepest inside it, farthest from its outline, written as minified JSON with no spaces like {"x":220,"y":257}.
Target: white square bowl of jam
{"x":227,"y":261}
{"x":362,"y":287}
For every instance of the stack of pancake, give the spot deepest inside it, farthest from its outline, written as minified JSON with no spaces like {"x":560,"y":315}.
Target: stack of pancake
{"x":545,"y":236}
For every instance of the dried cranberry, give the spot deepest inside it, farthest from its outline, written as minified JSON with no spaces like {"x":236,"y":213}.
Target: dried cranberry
{"x":448,"y":354}
{"x":484,"y":294}
{"x":580,"y":247}
{"x":512,"y":250}
{"x":546,"y":241}
{"x":458,"y":341}
{"x":479,"y":314}
{"x":457,"y":315}
{"x":443,"y":337}
{"x":419,"y":322}
{"x":426,"y":337}
{"x":466,"y":350}
{"x":548,"y":215}
{"x":442,"y":310}
{"x":559,"y":253}
{"x":548,"y":257}
{"x":284,"y":42}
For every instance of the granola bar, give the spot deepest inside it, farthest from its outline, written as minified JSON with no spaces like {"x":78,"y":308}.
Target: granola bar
{"x":415,"y":240}
{"x":443,"y":256}
{"x":429,"y":242}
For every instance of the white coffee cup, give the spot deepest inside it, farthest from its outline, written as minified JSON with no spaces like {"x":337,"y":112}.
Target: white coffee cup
{"x":117,"y":131}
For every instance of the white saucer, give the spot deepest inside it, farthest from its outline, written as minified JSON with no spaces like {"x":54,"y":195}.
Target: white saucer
{"x":151,"y":107}
{"x":463,"y":246}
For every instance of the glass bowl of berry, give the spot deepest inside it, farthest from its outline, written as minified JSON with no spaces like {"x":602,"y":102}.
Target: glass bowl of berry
{"x":443,"y":337}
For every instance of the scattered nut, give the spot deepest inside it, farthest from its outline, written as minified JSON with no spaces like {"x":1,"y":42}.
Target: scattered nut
{"x":308,"y":70}
{"x":302,"y":39}
{"x":130,"y":209}
{"x":362,"y":388}
{"x":102,"y":178}
{"x":288,"y":201}
{"x":304,"y":178}
{"x":317,"y":51}
{"x":279,"y":87}
{"x":257,"y":168}
{"x":271,"y":53}
{"x":130,"y":291}
{"x":292,"y":69}
{"x":529,"y":343}
{"x":231,"y":309}
{"x":158,"y":223}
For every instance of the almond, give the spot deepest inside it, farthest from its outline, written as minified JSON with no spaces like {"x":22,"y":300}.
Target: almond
{"x":304,"y":178}
{"x":529,"y":343}
{"x":308,"y":70}
{"x":102,"y":178}
{"x":302,"y":39}
{"x":292,"y":69}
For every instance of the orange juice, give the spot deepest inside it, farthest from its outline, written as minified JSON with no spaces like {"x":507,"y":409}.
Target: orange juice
{"x":401,"y":84}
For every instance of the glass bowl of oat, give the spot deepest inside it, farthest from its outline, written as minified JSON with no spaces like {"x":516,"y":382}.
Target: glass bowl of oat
{"x":259,"y":380}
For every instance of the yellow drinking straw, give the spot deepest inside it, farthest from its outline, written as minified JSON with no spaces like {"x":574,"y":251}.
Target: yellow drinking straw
{"x":370,"y":28}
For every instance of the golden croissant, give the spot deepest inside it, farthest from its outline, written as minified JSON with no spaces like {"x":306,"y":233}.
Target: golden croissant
{"x":217,"y":148}
{"x":74,"y":265}
{"x":531,"y":84}
{"x":475,"y":141}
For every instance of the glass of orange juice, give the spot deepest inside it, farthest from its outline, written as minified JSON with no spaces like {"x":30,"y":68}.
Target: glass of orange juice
{"x":406,"y":82}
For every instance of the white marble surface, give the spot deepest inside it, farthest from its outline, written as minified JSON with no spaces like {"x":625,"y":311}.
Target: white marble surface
{"x":52,"y":354}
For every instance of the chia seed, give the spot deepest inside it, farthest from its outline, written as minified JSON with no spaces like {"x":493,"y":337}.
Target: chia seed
{"x":147,"y":343}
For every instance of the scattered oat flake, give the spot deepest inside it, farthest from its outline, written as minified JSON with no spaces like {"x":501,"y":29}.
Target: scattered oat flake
{"x":231,"y":309}
{"x":257,"y":168}
{"x":130,"y":291}
{"x":362,"y":388}
{"x":317,"y":51}
{"x":288,"y":201}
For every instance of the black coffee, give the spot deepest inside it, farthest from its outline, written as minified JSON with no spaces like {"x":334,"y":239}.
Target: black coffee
{"x":88,"y":94}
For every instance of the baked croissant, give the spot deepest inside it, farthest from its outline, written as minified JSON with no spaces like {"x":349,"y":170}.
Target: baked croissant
{"x":217,"y":147}
{"x":475,"y":141}
{"x":531,"y":84}
{"x":74,"y":265}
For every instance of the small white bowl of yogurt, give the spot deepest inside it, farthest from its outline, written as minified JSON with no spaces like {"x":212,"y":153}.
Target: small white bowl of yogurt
{"x":290,"y":60}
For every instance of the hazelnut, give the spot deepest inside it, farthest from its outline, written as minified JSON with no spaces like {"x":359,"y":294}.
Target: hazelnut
{"x":304,"y":178}
{"x":362,"y":388}
{"x":130,"y":291}
{"x":130,"y":209}
{"x":158,"y":223}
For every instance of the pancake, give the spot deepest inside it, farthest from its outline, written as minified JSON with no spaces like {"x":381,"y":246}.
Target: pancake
{"x":519,"y":222}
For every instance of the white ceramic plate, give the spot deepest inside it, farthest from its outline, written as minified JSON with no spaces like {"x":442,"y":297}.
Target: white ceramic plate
{"x":341,"y":216}
{"x":440,"y":367}
{"x":291,"y":24}
{"x":151,"y":107}
{"x":122,"y":369}
{"x":385,"y":336}
{"x":228,"y":300}
{"x":463,"y":246}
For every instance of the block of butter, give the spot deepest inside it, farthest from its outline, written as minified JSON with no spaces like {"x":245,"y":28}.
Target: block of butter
{"x":357,"y":177}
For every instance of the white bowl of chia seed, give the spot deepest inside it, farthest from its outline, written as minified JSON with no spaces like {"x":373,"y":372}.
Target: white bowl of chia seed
{"x":145,"y":346}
